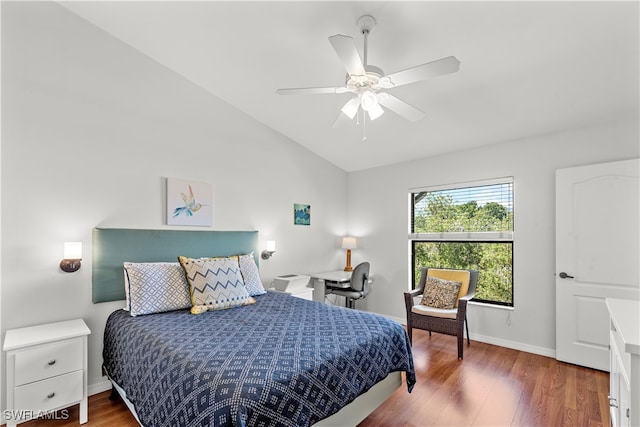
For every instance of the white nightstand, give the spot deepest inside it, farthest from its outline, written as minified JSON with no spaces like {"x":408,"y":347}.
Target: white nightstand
{"x":46,"y":370}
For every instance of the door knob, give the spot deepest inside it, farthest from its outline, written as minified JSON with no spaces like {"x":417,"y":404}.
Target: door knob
{"x":564,"y":275}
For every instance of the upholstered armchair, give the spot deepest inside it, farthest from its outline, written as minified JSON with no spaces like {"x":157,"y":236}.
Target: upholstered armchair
{"x":450,"y":321}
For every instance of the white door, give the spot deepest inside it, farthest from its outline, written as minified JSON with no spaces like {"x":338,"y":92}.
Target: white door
{"x":597,"y":255}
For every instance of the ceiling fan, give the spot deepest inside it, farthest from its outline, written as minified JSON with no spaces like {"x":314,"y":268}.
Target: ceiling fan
{"x":367,"y":82}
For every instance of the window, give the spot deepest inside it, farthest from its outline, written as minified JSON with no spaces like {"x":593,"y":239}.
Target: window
{"x":467,"y":225}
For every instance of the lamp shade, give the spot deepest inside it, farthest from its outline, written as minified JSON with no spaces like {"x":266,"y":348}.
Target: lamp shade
{"x":368,"y":100}
{"x":72,"y":250}
{"x":349,"y":243}
{"x":351,"y":108}
{"x":271,"y":246}
{"x":375,"y":111}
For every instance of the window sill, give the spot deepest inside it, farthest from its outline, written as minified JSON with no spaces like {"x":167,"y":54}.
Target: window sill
{"x":484,"y":304}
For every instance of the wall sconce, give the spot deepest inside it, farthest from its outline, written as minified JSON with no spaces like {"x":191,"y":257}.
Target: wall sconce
{"x":72,"y":256}
{"x":349,"y":243}
{"x":269,"y":250}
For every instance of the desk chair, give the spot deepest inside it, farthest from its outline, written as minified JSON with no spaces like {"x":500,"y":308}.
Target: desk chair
{"x":445,"y":321}
{"x":359,"y":285}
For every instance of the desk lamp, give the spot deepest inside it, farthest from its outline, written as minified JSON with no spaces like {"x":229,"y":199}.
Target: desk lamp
{"x":349,"y":243}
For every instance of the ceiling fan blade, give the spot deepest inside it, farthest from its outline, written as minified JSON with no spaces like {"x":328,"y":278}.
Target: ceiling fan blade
{"x":421,"y":72}
{"x":348,"y":54}
{"x":400,"y":107}
{"x":312,"y":90}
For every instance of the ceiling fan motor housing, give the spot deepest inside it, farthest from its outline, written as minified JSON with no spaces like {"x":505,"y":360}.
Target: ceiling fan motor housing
{"x":358,"y":84}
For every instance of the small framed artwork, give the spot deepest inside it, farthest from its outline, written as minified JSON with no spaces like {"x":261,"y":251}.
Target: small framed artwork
{"x":301,"y":214}
{"x":189,"y":203}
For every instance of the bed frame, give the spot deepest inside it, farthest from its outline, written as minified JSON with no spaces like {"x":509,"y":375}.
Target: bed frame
{"x":113,"y":246}
{"x":351,"y":415}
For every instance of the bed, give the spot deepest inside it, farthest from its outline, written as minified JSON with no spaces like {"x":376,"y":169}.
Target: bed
{"x":280,"y":361}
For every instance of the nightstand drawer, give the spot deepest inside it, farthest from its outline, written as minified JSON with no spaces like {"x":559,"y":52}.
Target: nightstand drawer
{"x":49,"y":394}
{"x":49,"y":360}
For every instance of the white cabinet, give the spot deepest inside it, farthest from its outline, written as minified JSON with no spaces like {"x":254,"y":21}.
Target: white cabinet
{"x":46,"y":370}
{"x":624,"y":374}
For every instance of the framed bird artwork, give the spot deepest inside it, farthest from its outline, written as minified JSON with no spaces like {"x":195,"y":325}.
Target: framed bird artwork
{"x":189,"y":203}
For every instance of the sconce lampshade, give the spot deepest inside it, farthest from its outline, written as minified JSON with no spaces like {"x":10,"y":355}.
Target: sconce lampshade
{"x":71,"y":257}
{"x":271,"y":245}
{"x":72,"y":250}
{"x":270,"y":248}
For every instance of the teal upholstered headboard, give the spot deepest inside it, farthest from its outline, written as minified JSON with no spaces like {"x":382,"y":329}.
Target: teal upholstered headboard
{"x":113,"y":246}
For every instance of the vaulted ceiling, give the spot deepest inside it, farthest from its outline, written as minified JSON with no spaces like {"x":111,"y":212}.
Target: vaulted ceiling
{"x":527,"y":68}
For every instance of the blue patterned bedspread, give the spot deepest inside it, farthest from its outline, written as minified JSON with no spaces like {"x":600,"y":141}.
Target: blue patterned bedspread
{"x":283,"y":361}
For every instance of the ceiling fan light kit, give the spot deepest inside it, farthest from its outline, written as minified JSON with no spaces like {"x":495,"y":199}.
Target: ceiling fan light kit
{"x":351,"y":108}
{"x":366,"y":81}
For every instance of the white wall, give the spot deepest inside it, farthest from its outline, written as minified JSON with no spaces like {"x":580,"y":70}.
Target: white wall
{"x":378,"y":211}
{"x":90,"y":130}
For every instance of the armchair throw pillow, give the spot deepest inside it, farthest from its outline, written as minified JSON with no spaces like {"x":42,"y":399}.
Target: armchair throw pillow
{"x":440,"y":293}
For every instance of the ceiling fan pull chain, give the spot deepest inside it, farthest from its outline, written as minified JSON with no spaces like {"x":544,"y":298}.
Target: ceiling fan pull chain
{"x":364,"y":127}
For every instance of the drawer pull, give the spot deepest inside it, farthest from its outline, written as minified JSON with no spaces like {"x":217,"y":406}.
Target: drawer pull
{"x":51,"y":362}
{"x":50,"y":395}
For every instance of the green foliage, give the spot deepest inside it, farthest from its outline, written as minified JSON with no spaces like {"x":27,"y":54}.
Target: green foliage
{"x":437,"y":213}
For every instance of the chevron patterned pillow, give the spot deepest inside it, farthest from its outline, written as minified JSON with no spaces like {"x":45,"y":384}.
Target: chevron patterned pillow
{"x":215,"y":282}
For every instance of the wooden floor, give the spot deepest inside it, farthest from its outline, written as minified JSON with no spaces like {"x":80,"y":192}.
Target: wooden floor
{"x":492,"y":386}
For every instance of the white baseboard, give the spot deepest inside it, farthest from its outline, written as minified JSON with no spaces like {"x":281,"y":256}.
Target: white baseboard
{"x":548,"y":352}
{"x":397,"y":319}
{"x":99,"y":387}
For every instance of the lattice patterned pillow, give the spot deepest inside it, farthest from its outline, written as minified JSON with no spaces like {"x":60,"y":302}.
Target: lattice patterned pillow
{"x":250,"y":275}
{"x":215,"y":282}
{"x":155,"y":287}
{"x":440,"y":293}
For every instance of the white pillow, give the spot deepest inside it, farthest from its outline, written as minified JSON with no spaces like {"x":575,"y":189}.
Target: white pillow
{"x":250,"y":275}
{"x":155,"y":287}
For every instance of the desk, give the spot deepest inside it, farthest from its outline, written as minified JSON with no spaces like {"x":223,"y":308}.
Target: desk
{"x":337,"y":278}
